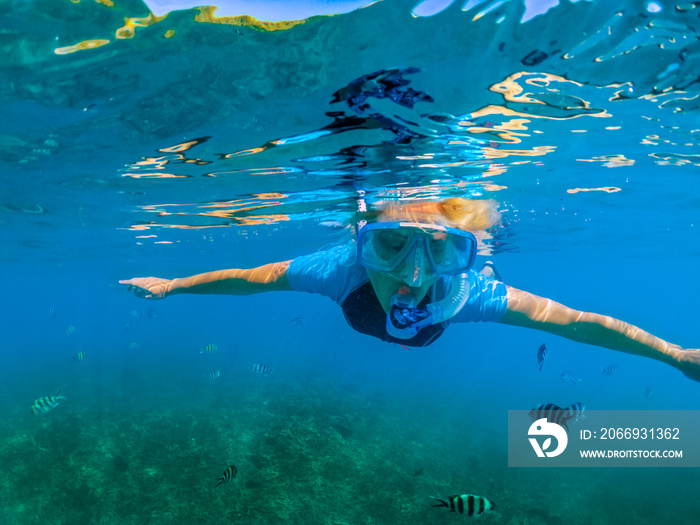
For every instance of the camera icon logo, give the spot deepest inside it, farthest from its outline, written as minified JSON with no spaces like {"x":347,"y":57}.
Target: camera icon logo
{"x":542,"y":427}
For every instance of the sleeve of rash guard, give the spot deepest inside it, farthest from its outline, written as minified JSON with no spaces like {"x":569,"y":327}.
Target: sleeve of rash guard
{"x":332,"y":273}
{"x":488,"y":300}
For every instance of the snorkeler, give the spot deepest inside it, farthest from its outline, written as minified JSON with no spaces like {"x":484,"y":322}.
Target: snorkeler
{"x":409,"y":275}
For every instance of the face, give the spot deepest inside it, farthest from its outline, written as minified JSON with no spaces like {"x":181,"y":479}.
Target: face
{"x":414,"y":274}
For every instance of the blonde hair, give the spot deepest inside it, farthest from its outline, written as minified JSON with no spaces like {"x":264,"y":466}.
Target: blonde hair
{"x":456,"y":212}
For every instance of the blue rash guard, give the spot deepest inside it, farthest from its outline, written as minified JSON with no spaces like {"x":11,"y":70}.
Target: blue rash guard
{"x":336,"y":274}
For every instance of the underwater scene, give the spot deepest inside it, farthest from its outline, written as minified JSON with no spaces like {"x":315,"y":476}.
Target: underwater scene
{"x":139,"y":140}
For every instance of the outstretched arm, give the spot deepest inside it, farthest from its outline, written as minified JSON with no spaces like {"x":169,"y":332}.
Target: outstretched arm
{"x":267,"y":278}
{"x":532,"y":311}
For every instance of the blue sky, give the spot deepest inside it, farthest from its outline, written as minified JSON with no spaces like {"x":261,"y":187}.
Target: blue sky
{"x":276,"y":10}
{"x":269,"y":10}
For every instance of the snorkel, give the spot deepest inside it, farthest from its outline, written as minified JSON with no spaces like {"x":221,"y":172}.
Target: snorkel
{"x":405,"y":319}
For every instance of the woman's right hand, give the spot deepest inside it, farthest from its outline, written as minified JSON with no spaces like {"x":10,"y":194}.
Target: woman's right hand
{"x":149,"y":287}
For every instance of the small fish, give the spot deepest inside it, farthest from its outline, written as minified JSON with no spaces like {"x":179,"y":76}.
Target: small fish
{"x":541,"y":355}
{"x":51,"y":311}
{"x":152,"y":313}
{"x":209,"y":349}
{"x":647,"y":392}
{"x":137,"y":314}
{"x":553,"y":413}
{"x":608,"y":370}
{"x":134,"y":346}
{"x":568,"y":377}
{"x":228,"y":475}
{"x":297,"y":321}
{"x":46,"y":403}
{"x":577,"y":410}
{"x":213,"y":375}
{"x":70,"y":330}
{"x":261,"y":370}
{"x":469,"y":504}
{"x":80,"y":356}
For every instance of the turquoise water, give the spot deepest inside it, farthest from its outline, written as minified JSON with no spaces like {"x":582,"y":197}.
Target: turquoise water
{"x":175,"y":146}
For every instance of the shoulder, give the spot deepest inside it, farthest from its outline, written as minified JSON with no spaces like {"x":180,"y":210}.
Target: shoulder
{"x":333,"y":272}
{"x":488,"y":299}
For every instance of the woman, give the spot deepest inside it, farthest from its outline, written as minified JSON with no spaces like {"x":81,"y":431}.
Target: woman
{"x":409,"y":275}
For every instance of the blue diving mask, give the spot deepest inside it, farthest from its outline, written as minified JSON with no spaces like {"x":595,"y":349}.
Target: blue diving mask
{"x":411,"y":251}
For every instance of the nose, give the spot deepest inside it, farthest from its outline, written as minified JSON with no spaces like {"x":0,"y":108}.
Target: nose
{"x":416,"y":265}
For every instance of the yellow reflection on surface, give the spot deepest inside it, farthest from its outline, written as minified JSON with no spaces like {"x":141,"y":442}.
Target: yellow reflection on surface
{"x":611,"y":161}
{"x":513,"y":92}
{"x":86,"y":44}
{"x":250,"y":151}
{"x":130,"y":25}
{"x":537,"y":151}
{"x":609,"y":189}
{"x":179,"y":148}
{"x":675,"y":159}
{"x":264,"y":219}
{"x":206,"y":15}
{"x":153,"y":176}
{"x":270,"y":196}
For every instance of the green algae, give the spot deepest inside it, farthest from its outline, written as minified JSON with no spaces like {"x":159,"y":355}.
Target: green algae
{"x":311,"y":453}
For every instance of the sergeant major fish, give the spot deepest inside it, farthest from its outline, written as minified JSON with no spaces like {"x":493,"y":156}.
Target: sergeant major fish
{"x":568,"y":377}
{"x":209,"y":349}
{"x":577,"y":410}
{"x":228,"y":475}
{"x":80,"y":356}
{"x":556,"y":414}
{"x":261,"y":370}
{"x":469,"y":504}
{"x":541,"y":355}
{"x":46,"y":403}
{"x":608,"y":370}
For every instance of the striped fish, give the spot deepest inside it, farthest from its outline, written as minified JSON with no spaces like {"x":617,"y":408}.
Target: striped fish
{"x":553,"y":413}
{"x":608,"y":370}
{"x":577,"y":410}
{"x":261,"y":370}
{"x":51,"y":311}
{"x":556,"y":414}
{"x":213,"y":375}
{"x":80,"y":356}
{"x":568,"y":377}
{"x":46,"y":403}
{"x":134,"y":346}
{"x":469,"y":504}
{"x":70,"y":330}
{"x":209,"y":349}
{"x":228,"y":475}
{"x":541,"y":355}
{"x":297,"y":321}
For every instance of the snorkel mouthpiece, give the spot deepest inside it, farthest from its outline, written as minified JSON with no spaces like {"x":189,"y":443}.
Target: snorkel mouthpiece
{"x":405,"y":319}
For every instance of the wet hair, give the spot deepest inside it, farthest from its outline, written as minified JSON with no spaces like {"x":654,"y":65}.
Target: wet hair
{"x":456,"y":212}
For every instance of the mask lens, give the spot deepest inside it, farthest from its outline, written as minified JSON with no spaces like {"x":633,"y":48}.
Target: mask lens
{"x":383,"y":249}
{"x":451,"y":253}
{"x":387,"y":247}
